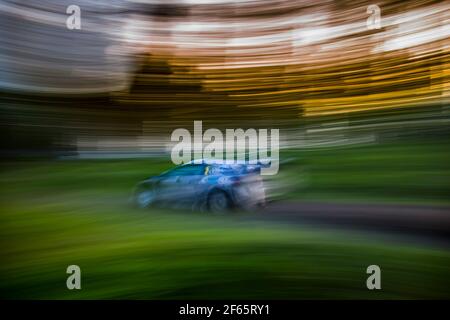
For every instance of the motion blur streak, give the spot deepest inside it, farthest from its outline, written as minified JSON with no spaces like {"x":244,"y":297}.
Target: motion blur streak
{"x":363,"y":114}
{"x":316,"y":58}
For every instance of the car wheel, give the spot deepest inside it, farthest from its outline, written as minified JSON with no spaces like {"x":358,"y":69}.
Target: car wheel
{"x":144,"y":197}
{"x":219,"y":202}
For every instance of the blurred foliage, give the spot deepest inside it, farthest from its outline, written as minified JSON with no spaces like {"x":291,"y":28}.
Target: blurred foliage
{"x":59,"y":213}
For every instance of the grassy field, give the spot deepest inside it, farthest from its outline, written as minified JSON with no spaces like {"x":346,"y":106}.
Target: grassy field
{"x":417,"y":172}
{"x":59,"y":213}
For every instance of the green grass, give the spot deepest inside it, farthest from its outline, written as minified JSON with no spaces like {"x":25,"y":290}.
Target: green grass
{"x":408,"y":172}
{"x":58,"y":213}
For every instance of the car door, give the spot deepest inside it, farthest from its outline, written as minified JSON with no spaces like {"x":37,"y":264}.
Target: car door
{"x":179,"y":186}
{"x":191,"y":182}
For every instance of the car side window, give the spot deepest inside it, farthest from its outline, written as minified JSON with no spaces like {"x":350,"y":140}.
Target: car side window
{"x":188,"y":170}
{"x":225,"y":170}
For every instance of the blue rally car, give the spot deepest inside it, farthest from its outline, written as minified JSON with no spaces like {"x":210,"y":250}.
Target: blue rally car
{"x":205,"y":186}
